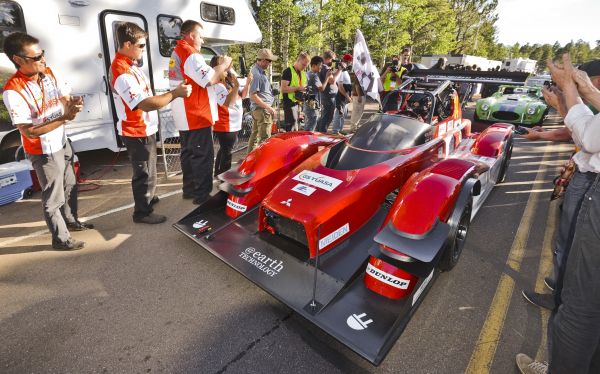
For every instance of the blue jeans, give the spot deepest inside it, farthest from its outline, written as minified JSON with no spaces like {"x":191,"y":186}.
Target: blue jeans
{"x":574,"y":328}
{"x":310,"y":118}
{"x":339,"y":117}
{"x":577,"y":188}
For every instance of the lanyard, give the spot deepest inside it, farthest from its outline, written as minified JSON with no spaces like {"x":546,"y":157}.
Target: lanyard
{"x":40,"y":82}
{"x":140,"y":75}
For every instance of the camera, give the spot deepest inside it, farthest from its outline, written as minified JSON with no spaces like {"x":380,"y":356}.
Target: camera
{"x":339,"y":64}
{"x":395,"y":66}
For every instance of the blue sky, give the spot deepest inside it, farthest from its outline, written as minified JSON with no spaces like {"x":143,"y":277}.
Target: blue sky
{"x":546,"y":21}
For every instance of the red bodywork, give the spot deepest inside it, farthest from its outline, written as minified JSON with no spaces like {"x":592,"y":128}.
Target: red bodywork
{"x":291,"y":180}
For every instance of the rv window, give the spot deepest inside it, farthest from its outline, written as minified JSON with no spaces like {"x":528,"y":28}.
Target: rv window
{"x":217,"y":13}
{"x":169,"y":28}
{"x":11,"y":20}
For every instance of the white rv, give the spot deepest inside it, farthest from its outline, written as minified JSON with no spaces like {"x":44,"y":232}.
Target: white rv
{"x":519,"y":64}
{"x":461,"y":60}
{"x":79,"y":40}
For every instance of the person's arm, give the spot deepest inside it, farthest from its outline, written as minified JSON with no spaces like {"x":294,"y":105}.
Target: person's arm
{"x":585,"y":127}
{"x":258,"y":101}
{"x":233,"y":93}
{"x":247,"y":86}
{"x":343,"y":90}
{"x":286,"y":78}
{"x":20,"y":115}
{"x":586,"y":88}
{"x":559,"y":135}
{"x":219,"y":70}
{"x":562,"y":75}
{"x":555,"y":98}
{"x":159,"y":101}
{"x":321,"y":86}
{"x":30,"y":131}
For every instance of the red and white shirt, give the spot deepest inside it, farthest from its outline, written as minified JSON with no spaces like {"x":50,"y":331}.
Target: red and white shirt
{"x":132,"y":85}
{"x":200,"y":109}
{"x":37,"y":102}
{"x":230,"y":117}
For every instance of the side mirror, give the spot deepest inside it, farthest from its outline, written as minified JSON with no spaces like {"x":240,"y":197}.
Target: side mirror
{"x":243,"y":70}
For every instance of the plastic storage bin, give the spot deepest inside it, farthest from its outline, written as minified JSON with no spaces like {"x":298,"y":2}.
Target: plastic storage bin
{"x":15,"y":182}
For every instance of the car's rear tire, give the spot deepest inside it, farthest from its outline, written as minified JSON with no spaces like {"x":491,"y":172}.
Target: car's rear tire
{"x":505,"y":161}
{"x":456,"y":243}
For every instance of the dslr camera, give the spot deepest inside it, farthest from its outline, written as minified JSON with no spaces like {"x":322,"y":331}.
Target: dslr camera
{"x":395,"y":66}
{"x":339,"y":64}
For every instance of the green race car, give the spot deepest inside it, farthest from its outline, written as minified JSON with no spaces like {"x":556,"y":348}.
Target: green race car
{"x":515,"y":104}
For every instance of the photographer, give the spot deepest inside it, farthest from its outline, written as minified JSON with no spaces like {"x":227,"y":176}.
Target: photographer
{"x":293,"y":85}
{"x":312,"y":102}
{"x":343,"y":96}
{"x":330,"y":90}
{"x":391,"y":77}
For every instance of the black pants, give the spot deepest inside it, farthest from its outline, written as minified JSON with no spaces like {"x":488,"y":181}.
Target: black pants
{"x":197,"y":159}
{"x":226,"y":142}
{"x":142,"y":154}
{"x":290,"y":117}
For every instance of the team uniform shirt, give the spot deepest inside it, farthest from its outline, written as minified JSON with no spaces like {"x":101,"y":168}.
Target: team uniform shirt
{"x":585,"y":130}
{"x":132,"y":87}
{"x":200,"y":109}
{"x":230,"y":117}
{"x":31,"y":103}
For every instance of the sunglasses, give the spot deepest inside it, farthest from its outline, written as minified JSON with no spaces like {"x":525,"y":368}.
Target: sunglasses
{"x":35,"y":58}
{"x":141,"y":45}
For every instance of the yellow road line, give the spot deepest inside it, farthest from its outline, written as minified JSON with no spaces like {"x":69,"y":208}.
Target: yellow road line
{"x":544,"y":270}
{"x":487,"y":343}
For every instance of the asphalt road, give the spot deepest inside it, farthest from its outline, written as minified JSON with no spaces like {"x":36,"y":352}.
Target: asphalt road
{"x":143,"y":299}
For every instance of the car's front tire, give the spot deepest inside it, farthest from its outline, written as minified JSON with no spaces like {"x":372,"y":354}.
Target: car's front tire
{"x":456,"y":243}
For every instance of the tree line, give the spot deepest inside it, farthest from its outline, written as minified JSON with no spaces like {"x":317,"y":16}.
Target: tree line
{"x":427,"y":26}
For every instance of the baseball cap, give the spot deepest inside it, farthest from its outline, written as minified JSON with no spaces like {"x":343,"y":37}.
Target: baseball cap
{"x":266,"y":54}
{"x":592,"y":68}
{"x":347,"y":57}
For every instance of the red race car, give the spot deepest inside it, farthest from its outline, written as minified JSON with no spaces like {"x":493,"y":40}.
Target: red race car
{"x":351,"y":232}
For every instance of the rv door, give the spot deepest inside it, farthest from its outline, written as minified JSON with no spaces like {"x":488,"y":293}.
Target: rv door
{"x":109,"y":22}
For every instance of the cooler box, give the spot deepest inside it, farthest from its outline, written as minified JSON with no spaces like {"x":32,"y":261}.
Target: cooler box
{"x":15,"y":180}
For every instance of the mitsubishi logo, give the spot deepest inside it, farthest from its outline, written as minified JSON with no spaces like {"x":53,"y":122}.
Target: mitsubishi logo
{"x":287,"y":202}
{"x":356,"y":321}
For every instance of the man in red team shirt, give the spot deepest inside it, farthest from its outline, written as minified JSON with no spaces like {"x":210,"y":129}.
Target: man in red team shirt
{"x":136,"y":128}
{"x":39,"y":105}
{"x":195,"y":115}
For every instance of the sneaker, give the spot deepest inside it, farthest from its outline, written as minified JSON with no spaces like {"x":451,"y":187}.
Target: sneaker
{"x":528,"y":366}
{"x":79,"y":226}
{"x":69,"y":245}
{"x":154,"y":201}
{"x":151,"y":219}
{"x":543,"y":300}
{"x":550,"y":283}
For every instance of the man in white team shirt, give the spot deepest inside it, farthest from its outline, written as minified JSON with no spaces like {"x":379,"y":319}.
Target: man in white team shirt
{"x":39,"y":106}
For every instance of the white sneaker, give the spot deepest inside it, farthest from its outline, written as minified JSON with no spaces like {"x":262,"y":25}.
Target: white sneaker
{"x":528,"y":366}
